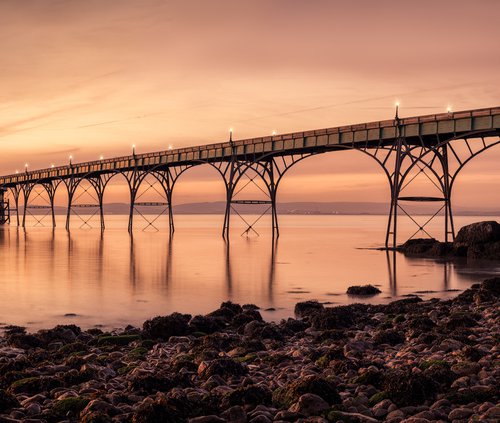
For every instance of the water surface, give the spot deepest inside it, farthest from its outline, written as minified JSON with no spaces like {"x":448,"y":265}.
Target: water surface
{"x":50,"y":276}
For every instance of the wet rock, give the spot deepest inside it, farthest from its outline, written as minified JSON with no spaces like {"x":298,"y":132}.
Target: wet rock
{"x":478,"y":233}
{"x":207,"y":419}
{"x":320,"y":386}
{"x":206,"y":324}
{"x":388,"y":336}
{"x":306,"y":308}
{"x":252,"y":396}
{"x":428,"y":247}
{"x":333,"y":318}
{"x":342,"y":416}
{"x":163,"y":327}
{"x":235,"y":414}
{"x":7,"y":401}
{"x":363,"y":290}
{"x":406,"y":388}
{"x":310,"y":405}
{"x":224,"y":367}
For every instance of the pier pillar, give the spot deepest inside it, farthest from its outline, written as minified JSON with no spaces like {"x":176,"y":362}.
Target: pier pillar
{"x":4,"y":208}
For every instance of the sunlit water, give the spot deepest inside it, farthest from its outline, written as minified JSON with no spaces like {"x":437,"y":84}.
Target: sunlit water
{"x":51,"y":277}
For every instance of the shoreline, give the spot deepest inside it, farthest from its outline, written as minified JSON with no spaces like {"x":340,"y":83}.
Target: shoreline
{"x":406,"y":361}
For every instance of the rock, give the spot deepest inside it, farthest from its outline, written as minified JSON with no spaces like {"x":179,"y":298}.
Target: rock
{"x":341,"y":416}
{"x":310,"y":405}
{"x":406,"y":388}
{"x":249,"y":396}
{"x":363,"y":290}
{"x":460,"y":414}
{"x":100,"y":406}
{"x":428,"y":247}
{"x":306,"y":308}
{"x":317,"y":385}
{"x":388,"y":336}
{"x":235,"y":414}
{"x":207,"y":419}
{"x":224,"y":367}
{"x":7,"y":401}
{"x":479,"y":233}
{"x":206,"y":324}
{"x":163,"y":327}
{"x":466,"y":368}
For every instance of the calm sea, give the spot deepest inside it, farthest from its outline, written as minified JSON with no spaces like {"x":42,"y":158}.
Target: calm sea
{"x":49,"y":277}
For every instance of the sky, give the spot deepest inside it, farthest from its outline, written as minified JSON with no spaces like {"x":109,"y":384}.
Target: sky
{"x":91,"y":77}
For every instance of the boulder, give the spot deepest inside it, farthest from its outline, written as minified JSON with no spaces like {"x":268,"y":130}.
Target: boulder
{"x":307,"y":308}
{"x":310,"y":405}
{"x":479,"y":233}
{"x":363,"y":290}
{"x":163,"y":327}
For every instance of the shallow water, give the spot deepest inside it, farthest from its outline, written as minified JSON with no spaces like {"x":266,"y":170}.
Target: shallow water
{"x":50,"y":276}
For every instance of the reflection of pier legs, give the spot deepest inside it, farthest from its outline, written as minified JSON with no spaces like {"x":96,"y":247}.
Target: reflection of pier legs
{"x":271,"y":271}
{"x":391,"y":270}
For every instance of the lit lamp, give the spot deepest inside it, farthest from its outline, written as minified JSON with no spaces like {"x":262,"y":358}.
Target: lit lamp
{"x":52,"y":165}
{"x":70,"y":160}
{"x":230,"y":134}
{"x":170,"y":147}
{"x":397,"y":109}
{"x":17,"y":171}
{"x":101,"y":157}
{"x":274,"y":132}
{"x":448,"y":109}
{"x":26,"y":167}
{"x":133,"y":149}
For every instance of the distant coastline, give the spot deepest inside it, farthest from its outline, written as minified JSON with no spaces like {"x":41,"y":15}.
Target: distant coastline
{"x":286,"y":208}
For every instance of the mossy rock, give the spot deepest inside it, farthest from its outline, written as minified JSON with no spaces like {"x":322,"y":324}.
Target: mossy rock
{"x":287,"y":395}
{"x":247,"y":358}
{"x":400,"y":318}
{"x":406,"y":388}
{"x":68,"y":407}
{"x":379,"y":396}
{"x":429,"y":363}
{"x":119,"y":340}
{"x":34,"y":385}
{"x":138,"y":353}
{"x":467,"y":396}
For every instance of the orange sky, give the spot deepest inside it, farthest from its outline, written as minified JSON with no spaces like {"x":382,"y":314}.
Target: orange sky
{"x":92,"y":77}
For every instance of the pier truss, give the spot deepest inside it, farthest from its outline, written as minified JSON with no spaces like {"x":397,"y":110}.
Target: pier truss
{"x":434,"y":148}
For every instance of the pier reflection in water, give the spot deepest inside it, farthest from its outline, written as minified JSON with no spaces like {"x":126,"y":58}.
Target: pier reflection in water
{"x":91,"y":278}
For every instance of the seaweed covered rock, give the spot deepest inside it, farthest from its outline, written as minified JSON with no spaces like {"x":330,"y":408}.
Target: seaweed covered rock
{"x":163,"y":327}
{"x":405,"y":388}
{"x":363,"y":290}
{"x":316,"y":385}
{"x":224,"y":367}
{"x":333,"y":318}
{"x":206,"y":324}
{"x":252,"y":395}
{"x":306,"y":308}
{"x":388,"y":336}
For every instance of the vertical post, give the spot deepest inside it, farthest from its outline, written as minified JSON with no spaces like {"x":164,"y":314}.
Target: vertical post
{"x":4,"y":207}
{"x":229,"y":189}
{"x":448,"y":218}
{"x":272,"y":194}
{"x":133,"y":193}
{"x":71,"y":192}
{"x":393,"y":213}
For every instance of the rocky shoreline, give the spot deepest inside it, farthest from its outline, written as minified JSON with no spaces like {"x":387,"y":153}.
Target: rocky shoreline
{"x":407,"y":361}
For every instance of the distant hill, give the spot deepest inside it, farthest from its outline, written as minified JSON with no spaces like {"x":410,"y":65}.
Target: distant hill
{"x":298,"y":208}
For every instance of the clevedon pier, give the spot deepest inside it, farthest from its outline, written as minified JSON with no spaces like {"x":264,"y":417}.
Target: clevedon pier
{"x":436,"y":146}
